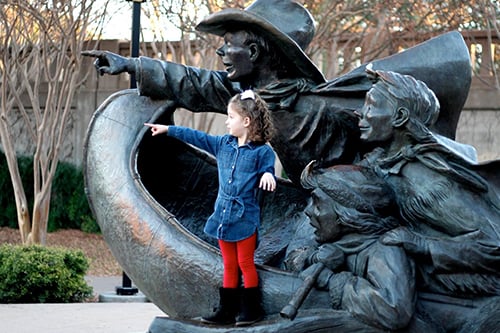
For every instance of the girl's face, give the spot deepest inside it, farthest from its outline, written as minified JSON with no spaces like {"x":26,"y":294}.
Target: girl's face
{"x":236,"y":124}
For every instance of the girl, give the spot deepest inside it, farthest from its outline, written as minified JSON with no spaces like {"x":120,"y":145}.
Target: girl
{"x":245,"y":162}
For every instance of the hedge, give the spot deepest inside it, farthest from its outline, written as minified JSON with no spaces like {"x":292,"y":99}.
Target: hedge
{"x":38,"y":274}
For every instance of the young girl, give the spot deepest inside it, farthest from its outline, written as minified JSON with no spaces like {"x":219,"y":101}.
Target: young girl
{"x":244,"y":162}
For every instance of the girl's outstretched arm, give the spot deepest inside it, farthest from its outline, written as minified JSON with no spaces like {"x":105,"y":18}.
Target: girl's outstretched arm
{"x":157,"y":129}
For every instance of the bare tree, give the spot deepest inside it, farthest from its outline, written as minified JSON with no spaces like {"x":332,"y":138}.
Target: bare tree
{"x":40,"y":66}
{"x":353,"y":32}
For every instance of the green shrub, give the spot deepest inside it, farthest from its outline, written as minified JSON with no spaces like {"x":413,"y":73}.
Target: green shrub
{"x":37,"y":274}
{"x":69,"y":208}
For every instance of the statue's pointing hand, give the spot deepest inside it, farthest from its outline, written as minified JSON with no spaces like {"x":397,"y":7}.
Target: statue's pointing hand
{"x":110,"y":63}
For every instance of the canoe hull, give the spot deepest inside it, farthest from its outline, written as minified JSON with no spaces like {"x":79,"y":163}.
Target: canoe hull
{"x":173,"y":266}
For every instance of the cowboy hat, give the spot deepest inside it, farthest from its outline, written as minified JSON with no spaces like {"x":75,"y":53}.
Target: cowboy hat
{"x":285,"y":23}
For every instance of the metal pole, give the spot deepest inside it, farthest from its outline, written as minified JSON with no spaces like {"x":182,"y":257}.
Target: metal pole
{"x":136,"y":29}
{"x":126,"y":288}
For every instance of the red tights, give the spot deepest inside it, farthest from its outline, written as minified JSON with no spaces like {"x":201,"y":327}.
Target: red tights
{"x":238,"y":256}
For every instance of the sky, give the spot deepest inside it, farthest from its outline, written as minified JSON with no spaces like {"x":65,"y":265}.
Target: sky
{"x":119,"y":25}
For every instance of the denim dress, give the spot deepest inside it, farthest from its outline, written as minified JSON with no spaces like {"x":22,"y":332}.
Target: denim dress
{"x":236,"y":213}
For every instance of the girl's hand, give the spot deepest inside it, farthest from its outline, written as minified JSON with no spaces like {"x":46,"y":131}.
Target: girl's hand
{"x":267,"y":182}
{"x":157,"y":129}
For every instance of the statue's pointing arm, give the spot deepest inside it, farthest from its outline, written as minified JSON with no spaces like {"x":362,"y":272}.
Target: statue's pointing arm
{"x":195,"y":89}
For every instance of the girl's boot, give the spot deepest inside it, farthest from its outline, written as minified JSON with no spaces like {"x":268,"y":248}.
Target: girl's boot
{"x":226,"y":312}
{"x":251,"y":309}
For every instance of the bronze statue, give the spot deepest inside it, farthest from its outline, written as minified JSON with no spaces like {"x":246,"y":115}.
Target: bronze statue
{"x":350,"y":209}
{"x":452,"y":213}
{"x":266,"y":52}
{"x":152,"y":215}
{"x":448,"y":219}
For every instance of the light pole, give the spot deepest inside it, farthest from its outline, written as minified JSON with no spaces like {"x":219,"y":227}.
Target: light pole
{"x":126,"y":288}
{"x":136,"y":29}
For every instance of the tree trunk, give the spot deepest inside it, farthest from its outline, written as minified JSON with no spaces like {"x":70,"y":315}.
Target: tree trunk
{"x":23,"y":216}
{"x":41,"y":208}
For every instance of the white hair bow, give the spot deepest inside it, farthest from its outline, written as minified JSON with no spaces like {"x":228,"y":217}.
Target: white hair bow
{"x":248,"y":94}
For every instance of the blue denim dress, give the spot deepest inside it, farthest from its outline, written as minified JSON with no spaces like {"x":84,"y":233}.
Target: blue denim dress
{"x":236,"y":214}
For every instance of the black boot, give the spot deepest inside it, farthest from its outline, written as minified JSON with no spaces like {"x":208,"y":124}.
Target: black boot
{"x":225,"y":313}
{"x":251,"y":309}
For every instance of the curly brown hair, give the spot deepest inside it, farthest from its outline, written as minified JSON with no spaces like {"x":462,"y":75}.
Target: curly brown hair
{"x":261,"y":129}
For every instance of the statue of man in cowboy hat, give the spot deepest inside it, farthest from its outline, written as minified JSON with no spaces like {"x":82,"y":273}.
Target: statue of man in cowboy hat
{"x":264,"y":49}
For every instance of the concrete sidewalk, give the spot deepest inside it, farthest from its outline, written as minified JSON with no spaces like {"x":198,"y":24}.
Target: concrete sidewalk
{"x":102,"y":317}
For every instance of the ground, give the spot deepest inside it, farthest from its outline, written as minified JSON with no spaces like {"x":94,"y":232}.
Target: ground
{"x":101,"y":260}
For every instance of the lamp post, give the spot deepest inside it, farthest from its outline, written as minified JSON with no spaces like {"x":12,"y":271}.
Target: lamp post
{"x":136,"y":28}
{"x":126,"y":288}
